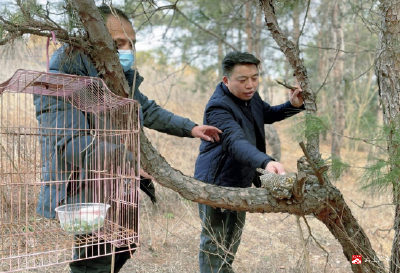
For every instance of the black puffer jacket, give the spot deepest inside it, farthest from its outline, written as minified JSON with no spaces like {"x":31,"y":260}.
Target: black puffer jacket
{"x":233,"y":161}
{"x":64,"y":151}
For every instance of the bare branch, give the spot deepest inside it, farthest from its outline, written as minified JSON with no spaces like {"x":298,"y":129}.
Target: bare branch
{"x":360,"y":139}
{"x":219,"y":38}
{"x":317,"y":242}
{"x":371,"y":207}
{"x":304,"y":22}
{"x":285,"y":84}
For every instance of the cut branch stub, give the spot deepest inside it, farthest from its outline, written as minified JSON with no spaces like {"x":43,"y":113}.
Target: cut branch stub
{"x":299,"y":186}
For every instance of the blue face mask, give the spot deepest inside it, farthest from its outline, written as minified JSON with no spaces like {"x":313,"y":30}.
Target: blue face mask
{"x":126,"y":58}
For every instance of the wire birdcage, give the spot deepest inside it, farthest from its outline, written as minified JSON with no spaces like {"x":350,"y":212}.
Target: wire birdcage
{"x":74,"y":150}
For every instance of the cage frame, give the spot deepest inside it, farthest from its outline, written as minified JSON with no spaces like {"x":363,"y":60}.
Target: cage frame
{"x":26,"y":231}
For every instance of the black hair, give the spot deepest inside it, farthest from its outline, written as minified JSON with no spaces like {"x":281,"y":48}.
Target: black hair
{"x":235,"y":57}
{"x":105,"y":11}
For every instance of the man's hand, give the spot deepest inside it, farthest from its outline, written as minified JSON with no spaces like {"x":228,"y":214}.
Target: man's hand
{"x":275,"y":167}
{"x":207,"y":133}
{"x":145,"y":174}
{"x":295,"y":97}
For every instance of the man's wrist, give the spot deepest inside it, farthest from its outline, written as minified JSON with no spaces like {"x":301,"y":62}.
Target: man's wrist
{"x":265,"y":163}
{"x":189,"y":128}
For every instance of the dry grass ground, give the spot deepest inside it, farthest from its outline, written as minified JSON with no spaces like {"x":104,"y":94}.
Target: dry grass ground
{"x":170,"y":230}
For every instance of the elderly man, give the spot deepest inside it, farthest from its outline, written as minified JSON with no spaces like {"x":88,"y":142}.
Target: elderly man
{"x":61,"y":149}
{"x":238,"y":110}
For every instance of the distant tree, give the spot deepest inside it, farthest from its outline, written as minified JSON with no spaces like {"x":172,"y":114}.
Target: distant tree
{"x":338,"y":86}
{"x":387,"y":64}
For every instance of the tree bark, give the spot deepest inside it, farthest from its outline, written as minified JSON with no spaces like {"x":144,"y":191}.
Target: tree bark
{"x":257,"y":37}
{"x":337,"y":215}
{"x":272,"y":138}
{"x":108,"y":65}
{"x":387,"y":71}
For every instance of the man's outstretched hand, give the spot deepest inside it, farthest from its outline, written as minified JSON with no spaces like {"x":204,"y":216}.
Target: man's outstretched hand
{"x":295,"y":97}
{"x":275,"y":167}
{"x":207,"y":133}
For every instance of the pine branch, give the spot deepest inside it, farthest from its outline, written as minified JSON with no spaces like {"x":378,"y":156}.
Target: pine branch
{"x":285,"y":84}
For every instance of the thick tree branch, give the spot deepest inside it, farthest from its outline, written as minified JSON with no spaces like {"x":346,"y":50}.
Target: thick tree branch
{"x":238,"y":199}
{"x":31,"y":26}
{"x":291,"y":52}
{"x":102,"y":49}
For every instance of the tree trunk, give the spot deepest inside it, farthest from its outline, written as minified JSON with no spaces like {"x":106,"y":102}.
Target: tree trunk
{"x":249,"y":24}
{"x":257,"y":38}
{"x":272,"y":138}
{"x":109,"y":67}
{"x":321,"y":72}
{"x":387,"y":71}
{"x":337,"y":215}
{"x":338,"y":97}
{"x":220,"y":45}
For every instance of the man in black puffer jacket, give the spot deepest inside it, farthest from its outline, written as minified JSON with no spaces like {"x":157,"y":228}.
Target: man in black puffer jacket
{"x":238,"y":110}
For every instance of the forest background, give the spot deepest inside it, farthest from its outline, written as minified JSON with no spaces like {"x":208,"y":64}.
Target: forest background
{"x":338,"y":42}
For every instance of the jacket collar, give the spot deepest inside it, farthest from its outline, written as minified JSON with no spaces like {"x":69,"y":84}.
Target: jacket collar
{"x":233,"y":97}
{"x":130,"y":76}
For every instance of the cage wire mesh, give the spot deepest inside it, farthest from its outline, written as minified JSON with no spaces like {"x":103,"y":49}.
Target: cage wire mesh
{"x":75,"y":150}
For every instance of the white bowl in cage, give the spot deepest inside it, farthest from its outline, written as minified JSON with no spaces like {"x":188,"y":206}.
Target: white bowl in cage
{"x":82,"y":218}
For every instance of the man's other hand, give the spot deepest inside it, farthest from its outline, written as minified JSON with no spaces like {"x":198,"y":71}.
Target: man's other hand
{"x":207,"y":133}
{"x":145,"y":174}
{"x":295,"y":97}
{"x":275,"y":167}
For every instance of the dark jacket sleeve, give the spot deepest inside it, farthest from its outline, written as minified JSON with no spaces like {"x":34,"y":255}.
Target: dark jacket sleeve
{"x":233,"y":138}
{"x":154,"y":117}
{"x":159,"y":119}
{"x":279,"y":112}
